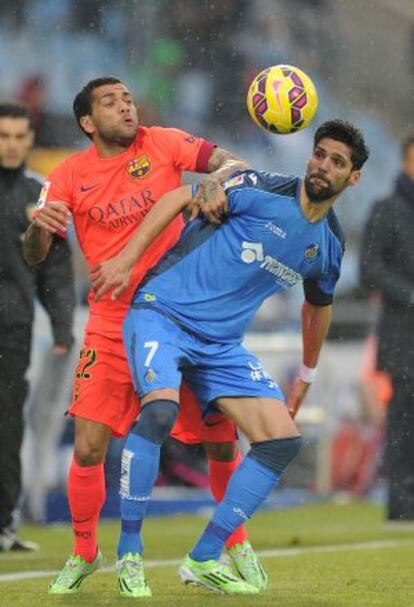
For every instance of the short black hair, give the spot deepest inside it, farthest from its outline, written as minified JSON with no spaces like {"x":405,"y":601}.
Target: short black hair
{"x":14,"y":109}
{"x":406,"y":144}
{"x":82,"y":104}
{"x":346,"y":133}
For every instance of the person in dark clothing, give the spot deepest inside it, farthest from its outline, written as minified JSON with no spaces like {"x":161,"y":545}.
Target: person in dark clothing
{"x":387,"y":266}
{"x":51,"y":281}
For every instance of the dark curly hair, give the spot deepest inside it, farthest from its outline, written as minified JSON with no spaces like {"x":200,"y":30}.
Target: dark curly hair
{"x":82,"y":104}
{"x":346,"y":133}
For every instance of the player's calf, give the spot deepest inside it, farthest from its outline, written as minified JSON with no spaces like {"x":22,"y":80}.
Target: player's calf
{"x":142,"y":452}
{"x":249,"y":486}
{"x":221,"y":452}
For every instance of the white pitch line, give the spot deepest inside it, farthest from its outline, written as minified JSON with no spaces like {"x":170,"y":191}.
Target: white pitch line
{"x":278,"y":552}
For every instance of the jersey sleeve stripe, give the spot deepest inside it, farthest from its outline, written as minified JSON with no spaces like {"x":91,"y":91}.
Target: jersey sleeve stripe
{"x":203,"y":157}
{"x":314,"y":295}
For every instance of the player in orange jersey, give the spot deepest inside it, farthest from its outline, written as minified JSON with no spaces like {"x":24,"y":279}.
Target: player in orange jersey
{"x":107,"y":190}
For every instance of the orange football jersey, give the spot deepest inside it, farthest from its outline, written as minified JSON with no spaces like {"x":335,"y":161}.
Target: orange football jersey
{"x":109,"y":197}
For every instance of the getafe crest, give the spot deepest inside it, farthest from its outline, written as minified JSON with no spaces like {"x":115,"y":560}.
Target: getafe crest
{"x":139,"y":167}
{"x":150,"y":376}
{"x":311,"y":253}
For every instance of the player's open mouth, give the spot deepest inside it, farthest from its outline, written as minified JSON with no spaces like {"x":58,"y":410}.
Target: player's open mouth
{"x":319,"y":181}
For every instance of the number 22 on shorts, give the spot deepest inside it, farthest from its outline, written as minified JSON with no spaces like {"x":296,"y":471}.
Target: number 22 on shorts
{"x":87,"y":359}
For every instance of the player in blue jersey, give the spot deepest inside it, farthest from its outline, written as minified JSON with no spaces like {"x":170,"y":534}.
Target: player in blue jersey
{"x":189,"y":316}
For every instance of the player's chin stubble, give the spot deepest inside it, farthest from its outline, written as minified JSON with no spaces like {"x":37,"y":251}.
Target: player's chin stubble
{"x":318,"y":195}
{"x":121,"y":137}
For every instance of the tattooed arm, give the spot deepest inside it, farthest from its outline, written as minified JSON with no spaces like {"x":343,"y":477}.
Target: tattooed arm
{"x":36,"y":244}
{"x":222,"y":164}
{"x":210,"y":197}
{"x":52,"y":218}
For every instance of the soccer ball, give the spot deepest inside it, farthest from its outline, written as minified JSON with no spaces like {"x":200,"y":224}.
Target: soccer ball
{"x":282,"y":99}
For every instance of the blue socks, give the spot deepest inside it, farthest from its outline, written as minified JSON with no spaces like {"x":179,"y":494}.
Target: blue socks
{"x":249,"y":486}
{"x":139,"y":471}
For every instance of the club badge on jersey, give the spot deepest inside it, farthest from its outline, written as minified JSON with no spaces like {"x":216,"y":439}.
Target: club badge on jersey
{"x":139,"y":167}
{"x":312,"y":253}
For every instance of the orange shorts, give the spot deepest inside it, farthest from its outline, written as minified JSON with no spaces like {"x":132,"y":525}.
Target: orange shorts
{"x":191,"y":429}
{"x":103,"y":392}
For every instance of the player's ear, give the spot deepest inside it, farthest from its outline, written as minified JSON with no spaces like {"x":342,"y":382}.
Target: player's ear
{"x":87,"y":124}
{"x":354,"y":177}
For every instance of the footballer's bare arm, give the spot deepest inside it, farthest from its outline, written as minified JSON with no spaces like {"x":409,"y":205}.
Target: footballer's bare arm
{"x":222,"y":164}
{"x":114,"y":274}
{"x":36,"y":244}
{"x":316,"y":321}
{"x":210,"y":197}
{"x":51,"y":219}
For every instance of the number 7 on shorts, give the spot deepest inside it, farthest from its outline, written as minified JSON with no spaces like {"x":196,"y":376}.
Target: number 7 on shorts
{"x":153,"y":347}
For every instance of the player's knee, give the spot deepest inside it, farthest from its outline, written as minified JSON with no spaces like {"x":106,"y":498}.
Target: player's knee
{"x":221,"y":452}
{"x":89,"y":452}
{"x":276,"y":454}
{"x":156,"y":420}
{"x":91,"y":442}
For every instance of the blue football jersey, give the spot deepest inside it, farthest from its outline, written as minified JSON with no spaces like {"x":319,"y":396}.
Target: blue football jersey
{"x":216,"y":277}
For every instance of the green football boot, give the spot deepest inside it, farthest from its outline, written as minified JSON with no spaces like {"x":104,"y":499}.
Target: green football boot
{"x":70,"y":578}
{"x":215,"y":576}
{"x":247,"y":565}
{"x":131,"y":577}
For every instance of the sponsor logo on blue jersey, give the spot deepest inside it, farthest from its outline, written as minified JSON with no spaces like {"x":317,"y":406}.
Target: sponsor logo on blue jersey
{"x":231,"y":183}
{"x":285,"y":276}
{"x":252,"y":251}
{"x":276,"y":230}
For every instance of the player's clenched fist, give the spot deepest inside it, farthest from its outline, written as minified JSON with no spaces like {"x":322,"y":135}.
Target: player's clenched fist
{"x":52,"y":217}
{"x":210,"y":199}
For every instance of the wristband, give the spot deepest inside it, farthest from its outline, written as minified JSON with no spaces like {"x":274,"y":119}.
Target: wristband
{"x":307,"y":374}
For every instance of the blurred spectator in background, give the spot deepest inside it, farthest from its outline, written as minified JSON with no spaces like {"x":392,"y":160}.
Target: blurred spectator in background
{"x":387,"y":266}
{"x":33,"y":94}
{"x":50,"y":130}
{"x":356,"y":454}
{"x":207,"y":33}
{"x":156,"y":80}
{"x":19,"y":284}
{"x":12,"y":13}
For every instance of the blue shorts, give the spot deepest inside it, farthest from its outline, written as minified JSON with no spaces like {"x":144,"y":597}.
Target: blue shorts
{"x":161,"y":353}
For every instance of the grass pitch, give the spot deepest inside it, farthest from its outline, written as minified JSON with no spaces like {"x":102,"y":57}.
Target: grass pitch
{"x":316,"y":556}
